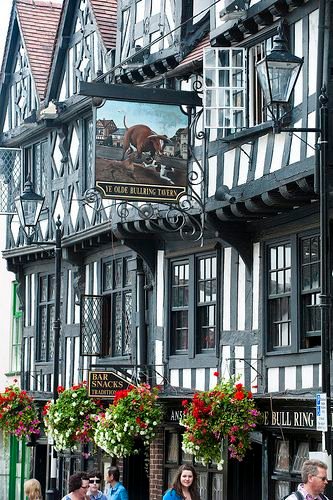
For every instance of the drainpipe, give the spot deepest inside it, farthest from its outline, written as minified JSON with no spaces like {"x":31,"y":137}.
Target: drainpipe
{"x":141,"y":331}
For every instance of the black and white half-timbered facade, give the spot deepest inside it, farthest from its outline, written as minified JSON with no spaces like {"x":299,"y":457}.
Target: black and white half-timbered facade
{"x":230,"y":279}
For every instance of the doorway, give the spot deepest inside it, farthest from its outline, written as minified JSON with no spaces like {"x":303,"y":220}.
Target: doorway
{"x":136,"y":478}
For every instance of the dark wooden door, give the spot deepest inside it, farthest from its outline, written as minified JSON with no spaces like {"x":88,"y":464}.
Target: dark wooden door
{"x":244,"y":478}
{"x":136,"y":475}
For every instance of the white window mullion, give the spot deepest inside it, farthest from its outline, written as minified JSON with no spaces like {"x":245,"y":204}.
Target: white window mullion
{"x":224,"y":88}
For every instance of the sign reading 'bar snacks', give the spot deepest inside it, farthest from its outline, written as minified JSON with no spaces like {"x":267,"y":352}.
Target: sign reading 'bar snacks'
{"x":105,"y":384}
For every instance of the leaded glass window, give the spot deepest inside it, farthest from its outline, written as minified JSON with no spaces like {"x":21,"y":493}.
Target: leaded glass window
{"x":293,"y":277}
{"x":45,"y":318}
{"x":310,"y":290}
{"x":206,"y":296}
{"x":279,"y":285}
{"x":179,"y":301}
{"x":193,"y":304}
{"x":118,"y":292}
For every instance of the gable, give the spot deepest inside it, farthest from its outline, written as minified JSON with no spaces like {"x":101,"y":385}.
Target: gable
{"x":86,"y":38}
{"x":39,"y":36}
{"x":27,"y":60}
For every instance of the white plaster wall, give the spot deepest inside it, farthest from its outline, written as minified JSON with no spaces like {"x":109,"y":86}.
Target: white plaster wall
{"x":6,"y":279}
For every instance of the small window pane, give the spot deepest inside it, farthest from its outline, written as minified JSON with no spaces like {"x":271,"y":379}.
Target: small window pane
{"x":223,"y":58}
{"x":273,"y":253}
{"x":237,"y":58}
{"x":224,"y":78}
{"x":210,"y":58}
{"x":301,"y":456}
{"x":108,"y":276}
{"x":210,"y":77}
{"x":282,"y":456}
{"x":211,"y":98}
{"x":172,"y":447}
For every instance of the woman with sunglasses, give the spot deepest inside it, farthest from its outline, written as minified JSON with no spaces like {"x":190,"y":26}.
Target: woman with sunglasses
{"x":94,"y":492}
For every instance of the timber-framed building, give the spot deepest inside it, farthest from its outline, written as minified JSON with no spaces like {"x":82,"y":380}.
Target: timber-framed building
{"x":242,"y":298}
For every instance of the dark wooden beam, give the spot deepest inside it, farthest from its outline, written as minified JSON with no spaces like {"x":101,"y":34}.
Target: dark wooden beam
{"x":139,"y":94}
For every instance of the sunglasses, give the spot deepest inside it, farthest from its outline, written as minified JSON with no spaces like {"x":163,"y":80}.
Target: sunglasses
{"x":96,"y":481}
{"x":323,"y":478}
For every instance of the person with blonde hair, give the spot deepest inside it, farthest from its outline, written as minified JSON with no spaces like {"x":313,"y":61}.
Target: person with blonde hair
{"x":33,"y":489}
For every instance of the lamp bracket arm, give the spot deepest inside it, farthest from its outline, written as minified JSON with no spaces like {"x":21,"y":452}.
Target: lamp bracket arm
{"x":316,"y":147}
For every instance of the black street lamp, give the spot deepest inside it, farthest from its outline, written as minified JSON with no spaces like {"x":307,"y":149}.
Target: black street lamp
{"x":277,"y":74}
{"x":29,"y":206}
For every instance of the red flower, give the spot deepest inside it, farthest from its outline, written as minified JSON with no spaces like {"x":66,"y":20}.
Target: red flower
{"x":60,"y":389}
{"x":239,"y":396}
{"x":184,"y":402}
{"x":120,"y":395}
{"x":216,"y":374}
{"x":239,"y":387}
{"x":250,"y":395}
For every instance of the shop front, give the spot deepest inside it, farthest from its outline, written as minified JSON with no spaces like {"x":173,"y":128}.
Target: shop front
{"x":289,"y":436}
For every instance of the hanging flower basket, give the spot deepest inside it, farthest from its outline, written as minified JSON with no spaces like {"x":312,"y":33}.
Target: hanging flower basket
{"x":71,"y":420}
{"x":134,"y":415}
{"x":18,"y":413}
{"x":226,"y":414}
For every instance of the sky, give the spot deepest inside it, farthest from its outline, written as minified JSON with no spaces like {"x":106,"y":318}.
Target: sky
{"x":160,"y":118}
{"x":4,"y":19}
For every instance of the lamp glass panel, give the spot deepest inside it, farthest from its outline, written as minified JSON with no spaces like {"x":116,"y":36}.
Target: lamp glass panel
{"x":263,"y":79}
{"x":282,"y":79}
{"x":31,"y":210}
{"x":19,"y":210}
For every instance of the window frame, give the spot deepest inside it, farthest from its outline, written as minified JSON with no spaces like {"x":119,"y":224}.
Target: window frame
{"x":109,"y":294}
{"x":252,"y":86}
{"x":312,"y":291}
{"x":38,"y":171}
{"x":297,"y":325}
{"x":192,"y":353}
{"x":16,"y":330}
{"x":284,"y":480}
{"x":49,"y":305}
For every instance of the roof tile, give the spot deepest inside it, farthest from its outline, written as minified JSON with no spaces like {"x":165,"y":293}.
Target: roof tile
{"x":197,"y":53}
{"x":105,"y":12}
{"x":39,"y":20}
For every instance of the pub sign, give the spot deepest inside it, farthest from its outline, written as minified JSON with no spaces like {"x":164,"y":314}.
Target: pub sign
{"x":141,"y":151}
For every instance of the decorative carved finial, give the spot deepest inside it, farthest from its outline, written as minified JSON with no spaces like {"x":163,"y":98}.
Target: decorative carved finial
{"x":323,"y":98}
{"x":58,"y":222}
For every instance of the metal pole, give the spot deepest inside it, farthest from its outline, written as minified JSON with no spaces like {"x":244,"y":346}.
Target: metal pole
{"x":52,"y":493}
{"x":325,"y":267}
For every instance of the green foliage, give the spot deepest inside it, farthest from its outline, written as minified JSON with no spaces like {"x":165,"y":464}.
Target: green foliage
{"x":18,"y":413}
{"x":226,"y":413}
{"x":135,"y":413}
{"x":71,"y":420}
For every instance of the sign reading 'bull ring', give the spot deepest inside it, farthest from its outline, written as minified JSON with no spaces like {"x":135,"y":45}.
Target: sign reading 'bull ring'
{"x":105,"y":384}
{"x":294,"y":419}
